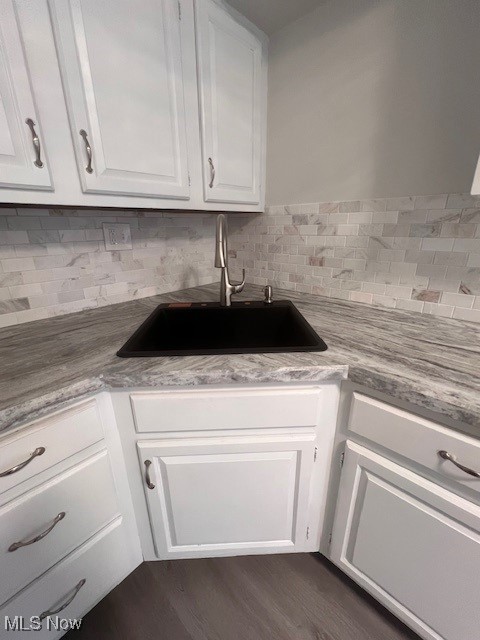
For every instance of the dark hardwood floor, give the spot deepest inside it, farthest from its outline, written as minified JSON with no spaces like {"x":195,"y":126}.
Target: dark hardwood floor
{"x":280,"y":597}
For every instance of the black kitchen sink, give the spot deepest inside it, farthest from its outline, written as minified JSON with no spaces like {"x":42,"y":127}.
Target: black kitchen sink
{"x":189,"y":329}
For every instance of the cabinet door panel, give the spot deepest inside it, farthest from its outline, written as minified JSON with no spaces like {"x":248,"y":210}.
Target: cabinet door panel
{"x":249,"y":495}
{"x":231,"y":68}
{"x":17,"y":150}
{"x":122,"y":76}
{"x":414,"y":545}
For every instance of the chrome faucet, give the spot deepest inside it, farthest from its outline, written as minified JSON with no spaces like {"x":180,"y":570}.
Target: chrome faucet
{"x":227,"y":288}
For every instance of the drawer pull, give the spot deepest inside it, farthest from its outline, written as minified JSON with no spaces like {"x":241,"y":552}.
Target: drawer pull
{"x":17,"y":545}
{"x":150,"y":485}
{"x":449,"y":456}
{"x":38,"y":452}
{"x":52,"y":612}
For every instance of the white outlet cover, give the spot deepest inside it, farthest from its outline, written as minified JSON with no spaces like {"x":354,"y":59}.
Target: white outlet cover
{"x":117,"y":236}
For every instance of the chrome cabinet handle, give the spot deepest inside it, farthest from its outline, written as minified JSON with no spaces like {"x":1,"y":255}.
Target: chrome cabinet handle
{"x":451,"y":458}
{"x":52,"y":612}
{"x":150,"y":484}
{"x":88,"y":149}
{"x":38,"y":452}
{"x":17,"y":545}
{"x":212,"y":172}
{"x":36,"y":143}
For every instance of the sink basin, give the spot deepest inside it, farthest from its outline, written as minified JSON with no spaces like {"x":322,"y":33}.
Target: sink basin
{"x":189,"y":329}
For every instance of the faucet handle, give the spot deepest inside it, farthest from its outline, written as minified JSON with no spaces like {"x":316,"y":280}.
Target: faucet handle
{"x":238,"y":288}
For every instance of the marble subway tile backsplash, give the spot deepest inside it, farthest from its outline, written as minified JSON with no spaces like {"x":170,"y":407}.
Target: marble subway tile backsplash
{"x":54,"y":261}
{"x":420,"y":253}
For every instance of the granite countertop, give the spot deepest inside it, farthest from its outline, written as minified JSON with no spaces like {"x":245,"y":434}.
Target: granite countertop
{"x":427,"y":361}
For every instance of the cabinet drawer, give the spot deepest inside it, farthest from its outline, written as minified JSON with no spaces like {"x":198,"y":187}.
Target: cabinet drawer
{"x":416,"y":438}
{"x":101,"y":563}
{"x":78,"y":503}
{"x":202,"y":410}
{"x":54,"y":438}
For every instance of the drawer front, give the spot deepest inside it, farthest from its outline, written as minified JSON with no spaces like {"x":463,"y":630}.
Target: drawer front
{"x":101,"y":563}
{"x":85,"y":495}
{"x":416,"y":438}
{"x":54,"y":438}
{"x":202,"y":410}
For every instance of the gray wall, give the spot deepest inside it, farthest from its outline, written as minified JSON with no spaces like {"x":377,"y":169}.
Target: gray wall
{"x":374,"y":99}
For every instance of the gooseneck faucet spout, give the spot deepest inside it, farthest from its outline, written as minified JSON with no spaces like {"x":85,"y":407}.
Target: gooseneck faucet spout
{"x":227,"y":288}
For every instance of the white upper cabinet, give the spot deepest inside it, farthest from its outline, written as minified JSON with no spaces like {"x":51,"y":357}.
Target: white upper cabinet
{"x":232,"y":86}
{"x":142,"y":104}
{"x":22,"y":150}
{"x":122,"y":72}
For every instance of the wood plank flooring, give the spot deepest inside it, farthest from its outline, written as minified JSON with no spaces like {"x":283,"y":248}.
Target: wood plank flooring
{"x":276,"y":597}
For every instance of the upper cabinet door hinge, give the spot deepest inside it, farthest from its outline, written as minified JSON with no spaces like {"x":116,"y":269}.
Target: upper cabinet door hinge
{"x":189,"y":180}
{"x":315,"y":454}
{"x":342,"y":459}
{"x":179,"y":10}
{"x":308,"y":532}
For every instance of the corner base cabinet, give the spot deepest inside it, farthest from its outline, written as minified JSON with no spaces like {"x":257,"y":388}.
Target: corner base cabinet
{"x":226,"y":471}
{"x":412,"y":544}
{"x":225,"y":498}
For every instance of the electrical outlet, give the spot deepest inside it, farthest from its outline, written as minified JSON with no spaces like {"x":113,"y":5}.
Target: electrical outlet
{"x":117,"y":236}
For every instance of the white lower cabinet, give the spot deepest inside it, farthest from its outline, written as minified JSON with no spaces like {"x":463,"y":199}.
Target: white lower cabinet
{"x":412,"y":544}
{"x":66,"y":519}
{"x":73,"y":586}
{"x":48,"y":522}
{"x":229,"y":496}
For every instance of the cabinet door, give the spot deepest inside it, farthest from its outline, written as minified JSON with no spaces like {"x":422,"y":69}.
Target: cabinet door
{"x":22,"y":149}
{"x":229,"y":496}
{"x":231,"y":62}
{"x":412,"y":544}
{"x":122,"y":74}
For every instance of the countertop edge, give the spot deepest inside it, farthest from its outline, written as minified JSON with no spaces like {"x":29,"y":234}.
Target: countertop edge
{"x":24,"y":413}
{"x":370,"y":378}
